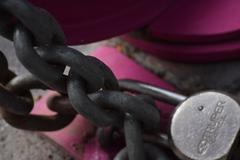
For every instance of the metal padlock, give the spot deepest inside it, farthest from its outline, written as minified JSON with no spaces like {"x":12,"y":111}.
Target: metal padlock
{"x":205,"y":127}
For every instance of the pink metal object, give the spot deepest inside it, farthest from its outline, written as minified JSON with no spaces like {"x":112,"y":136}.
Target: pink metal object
{"x":182,"y":20}
{"x":202,"y":30}
{"x":87,"y":21}
{"x":194,"y":53}
{"x":198,"y":21}
{"x":73,"y":138}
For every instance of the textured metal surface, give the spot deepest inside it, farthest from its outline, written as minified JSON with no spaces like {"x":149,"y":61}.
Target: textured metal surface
{"x":18,"y":144}
{"x":120,"y":65}
{"x":133,"y":136}
{"x":205,"y":127}
{"x":93,"y":92}
{"x":152,"y":152}
{"x":42,"y":56}
{"x":44,"y":28}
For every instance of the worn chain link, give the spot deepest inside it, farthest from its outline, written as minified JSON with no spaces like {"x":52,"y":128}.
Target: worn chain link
{"x":90,"y":89}
{"x":42,"y":25}
{"x":153,"y":152}
{"x":16,"y":103}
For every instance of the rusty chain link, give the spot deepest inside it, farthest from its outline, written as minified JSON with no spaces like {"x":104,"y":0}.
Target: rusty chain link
{"x":90,"y":89}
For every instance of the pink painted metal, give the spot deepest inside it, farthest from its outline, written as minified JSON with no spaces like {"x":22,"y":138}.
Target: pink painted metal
{"x":85,"y":21}
{"x":202,"y":30}
{"x":198,"y":21}
{"x":193,"y":53}
{"x":74,"y":137}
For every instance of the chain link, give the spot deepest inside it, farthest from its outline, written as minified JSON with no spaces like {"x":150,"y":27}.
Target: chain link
{"x":21,"y":103}
{"x":42,"y":25}
{"x":90,"y":89}
{"x":16,"y":103}
{"x":153,"y":152}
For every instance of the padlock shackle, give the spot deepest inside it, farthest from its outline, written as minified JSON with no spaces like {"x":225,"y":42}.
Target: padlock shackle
{"x":153,"y":91}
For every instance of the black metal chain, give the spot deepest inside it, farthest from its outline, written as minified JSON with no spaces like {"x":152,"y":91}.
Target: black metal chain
{"x":42,"y":25}
{"x":90,"y":89}
{"x":152,"y":152}
{"x":16,"y":103}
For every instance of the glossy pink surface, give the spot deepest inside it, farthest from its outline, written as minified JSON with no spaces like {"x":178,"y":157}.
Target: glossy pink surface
{"x":87,"y":21}
{"x":73,"y":137}
{"x":202,"y":30}
{"x":198,"y":21}
{"x":195,"y":53}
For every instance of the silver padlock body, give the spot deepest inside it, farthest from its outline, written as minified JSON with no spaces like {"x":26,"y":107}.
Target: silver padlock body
{"x":205,"y":127}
